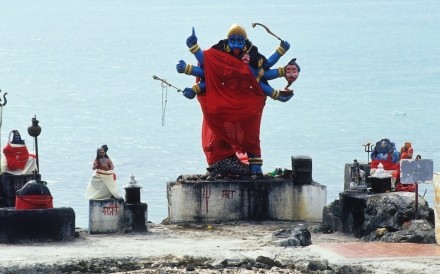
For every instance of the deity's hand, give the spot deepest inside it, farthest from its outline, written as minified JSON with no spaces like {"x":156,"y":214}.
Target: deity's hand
{"x":284,"y":97}
{"x":189,"y":93}
{"x":180,"y":67}
{"x":285,"y":45}
{"x":192,"y":39}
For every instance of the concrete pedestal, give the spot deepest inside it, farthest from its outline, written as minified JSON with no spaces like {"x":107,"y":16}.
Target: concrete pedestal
{"x":233,"y":200}
{"x":115,"y":216}
{"x":36,"y":225}
{"x":136,"y":217}
{"x":106,"y":216}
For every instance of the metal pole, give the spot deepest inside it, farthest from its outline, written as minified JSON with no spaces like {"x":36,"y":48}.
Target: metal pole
{"x":416,"y":215}
{"x":34,"y":130}
{"x":36,"y":153}
{"x":1,"y":118}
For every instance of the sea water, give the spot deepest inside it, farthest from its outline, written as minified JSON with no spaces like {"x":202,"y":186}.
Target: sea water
{"x":369,"y":70}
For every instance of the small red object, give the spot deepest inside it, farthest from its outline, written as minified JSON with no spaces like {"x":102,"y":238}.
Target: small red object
{"x":33,"y":202}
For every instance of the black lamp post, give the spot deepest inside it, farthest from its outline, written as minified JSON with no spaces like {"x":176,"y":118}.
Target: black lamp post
{"x":34,"y":130}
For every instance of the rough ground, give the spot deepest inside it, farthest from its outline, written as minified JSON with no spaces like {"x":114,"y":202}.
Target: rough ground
{"x":242,"y":247}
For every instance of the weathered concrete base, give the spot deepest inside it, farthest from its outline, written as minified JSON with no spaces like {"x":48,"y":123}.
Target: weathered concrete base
{"x":115,"y":216}
{"x":36,"y":225}
{"x":106,"y":216}
{"x":136,"y":217}
{"x":268,"y":198}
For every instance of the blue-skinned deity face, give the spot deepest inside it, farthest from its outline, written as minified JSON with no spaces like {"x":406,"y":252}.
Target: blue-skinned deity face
{"x":236,"y":43}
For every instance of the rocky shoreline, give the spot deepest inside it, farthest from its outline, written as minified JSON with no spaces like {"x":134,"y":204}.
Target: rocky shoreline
{"x":240,"y":247}
{"x":179,"y":265}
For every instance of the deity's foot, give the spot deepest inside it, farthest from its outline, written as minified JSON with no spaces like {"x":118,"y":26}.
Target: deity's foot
{"x":231,"y":166}
{"x":256,"y":171}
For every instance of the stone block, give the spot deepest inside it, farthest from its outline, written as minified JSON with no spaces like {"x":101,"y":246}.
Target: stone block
{"x":302,"y":170}
{"x":106,"y":216}
{"x":37,"y":225}
{"x":136,"y":217}
{"x":380,"y":185}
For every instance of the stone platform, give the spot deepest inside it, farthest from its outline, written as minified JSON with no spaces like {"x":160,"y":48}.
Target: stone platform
{"x":36,"y":225}
{"x":191,"y":199}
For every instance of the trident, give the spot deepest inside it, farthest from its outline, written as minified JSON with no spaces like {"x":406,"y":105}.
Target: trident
{"x":1,"y":115}
{"x":368,"y":148}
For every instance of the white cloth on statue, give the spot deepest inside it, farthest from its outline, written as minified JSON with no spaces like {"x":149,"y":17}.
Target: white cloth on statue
{"x":102,"y":186}
{"x":29,"y":168}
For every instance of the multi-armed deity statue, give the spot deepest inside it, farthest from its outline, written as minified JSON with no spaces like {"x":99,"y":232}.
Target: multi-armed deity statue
{"x":232,"y":86}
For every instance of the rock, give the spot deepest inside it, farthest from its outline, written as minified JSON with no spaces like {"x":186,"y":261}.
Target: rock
{"x":297,"y":235}
{"x":190,"y":267}
{"x":218,"y":266}
{"x":416,"y":231}
{"x":362,"y":214}
{"x":261,"y":265}
{"x":316,"y":265}
{"x":268,"y":261}
{"x":348,"y":269}
{"x":381,"y":231}
{"x":234,"y":262}
{"x":331,"y":217}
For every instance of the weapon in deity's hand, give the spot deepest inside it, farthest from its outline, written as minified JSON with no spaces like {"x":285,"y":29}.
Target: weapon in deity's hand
{"x":165,"y":83}
{"x":165,"y":86}
{"x":267,"y":29}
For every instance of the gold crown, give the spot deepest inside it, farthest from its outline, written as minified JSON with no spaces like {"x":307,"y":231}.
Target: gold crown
{"x":237,"y":29}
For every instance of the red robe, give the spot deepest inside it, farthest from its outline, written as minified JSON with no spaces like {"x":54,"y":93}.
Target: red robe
{"x":16,"y":156}
{"x":232,"y":107}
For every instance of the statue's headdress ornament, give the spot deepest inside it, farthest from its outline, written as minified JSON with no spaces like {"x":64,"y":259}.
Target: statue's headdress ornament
{"x":105,"y":148}
{"x":237,"y":29}
{"x":293,"y":62}
{"x":16,"y":137}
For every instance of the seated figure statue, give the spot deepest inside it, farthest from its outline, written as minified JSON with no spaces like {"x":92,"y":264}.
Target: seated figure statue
{"x":17,"y":160}
{"x":103,"y":184}
{"x":385,"y":153}
{"x":406,"y":152}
